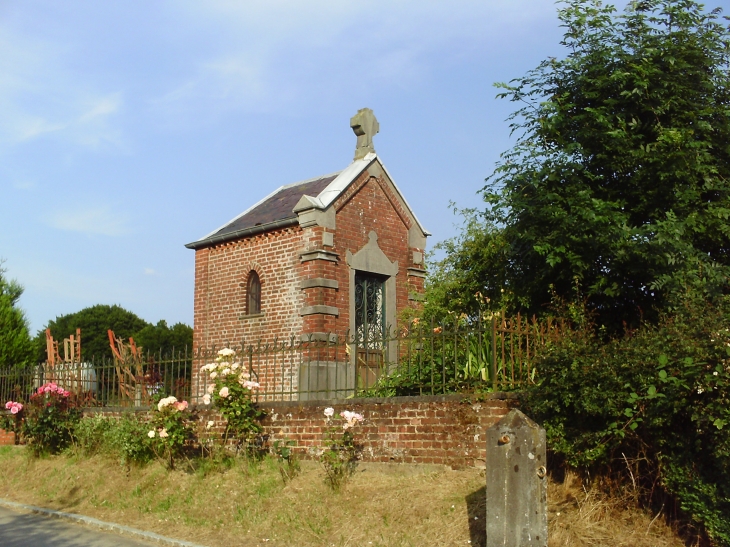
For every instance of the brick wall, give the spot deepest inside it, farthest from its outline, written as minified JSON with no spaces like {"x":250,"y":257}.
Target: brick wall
{"x":6,"y":437}
{"x":438,"y":429}
{"x":221,"y":273}
{"x":448,"y":430}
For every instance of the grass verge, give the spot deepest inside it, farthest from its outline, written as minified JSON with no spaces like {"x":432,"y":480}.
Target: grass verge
{"x":249,"y":505}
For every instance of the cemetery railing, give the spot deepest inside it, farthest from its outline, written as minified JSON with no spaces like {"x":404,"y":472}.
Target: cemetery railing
{"x":497,"y":354}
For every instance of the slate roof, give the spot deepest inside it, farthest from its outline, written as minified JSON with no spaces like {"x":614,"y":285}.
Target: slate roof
{"x":273,"y":210}
{"x":276,"y":209}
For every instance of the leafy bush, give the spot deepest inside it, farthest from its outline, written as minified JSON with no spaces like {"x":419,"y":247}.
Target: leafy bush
{"x":653,"y":405}
{"x":50,"y":419}
{"x":123,"y":438}
{"x":128,"y":440}
{"x":91,"y":434}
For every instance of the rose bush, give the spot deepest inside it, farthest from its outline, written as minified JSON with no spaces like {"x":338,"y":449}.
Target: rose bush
{"x":231,"y":389}
{"x":171,"y":428}
{"x":341,"y":452}
{"x":50,"y":418}
{"x":13,"y":421}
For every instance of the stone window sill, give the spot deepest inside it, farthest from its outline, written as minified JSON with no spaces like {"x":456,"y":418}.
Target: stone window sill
{"x":253,"y":316}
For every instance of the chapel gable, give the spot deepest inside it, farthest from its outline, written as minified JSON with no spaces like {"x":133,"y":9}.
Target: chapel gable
{"x":331,"y":257}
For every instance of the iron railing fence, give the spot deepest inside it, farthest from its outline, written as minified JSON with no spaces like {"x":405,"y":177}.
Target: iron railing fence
{"x":498,"y":354}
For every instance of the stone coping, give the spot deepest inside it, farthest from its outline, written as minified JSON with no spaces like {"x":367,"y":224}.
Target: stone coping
{"x":450,"y":398}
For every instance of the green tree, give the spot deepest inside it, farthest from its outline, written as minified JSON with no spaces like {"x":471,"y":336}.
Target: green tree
{"x":94,"y":322}
{"x":16,"y":347}
{"x":471,"y":276}
{"x":162,"y":339}
{"x":619,"y":181}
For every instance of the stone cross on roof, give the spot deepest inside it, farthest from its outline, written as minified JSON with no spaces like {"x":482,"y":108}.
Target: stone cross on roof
{"x":365,"y":127}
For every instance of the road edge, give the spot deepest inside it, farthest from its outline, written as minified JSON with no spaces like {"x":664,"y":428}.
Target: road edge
{"x":100,"y":524}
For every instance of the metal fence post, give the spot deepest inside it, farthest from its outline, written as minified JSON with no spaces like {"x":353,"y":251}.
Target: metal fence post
{"x":516,"y":483}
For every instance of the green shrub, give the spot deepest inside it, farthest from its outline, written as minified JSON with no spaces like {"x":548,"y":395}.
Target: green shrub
{"x":128,"y":440}
{"x":91,"y":434}
{"x":654,"y":404}
{"x":123,"y":438}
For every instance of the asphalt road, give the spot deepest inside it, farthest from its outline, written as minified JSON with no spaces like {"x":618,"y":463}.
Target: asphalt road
{"x":19,"y":529}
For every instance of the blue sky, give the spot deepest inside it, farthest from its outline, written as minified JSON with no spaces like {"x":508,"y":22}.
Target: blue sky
{"x":131,"y":128}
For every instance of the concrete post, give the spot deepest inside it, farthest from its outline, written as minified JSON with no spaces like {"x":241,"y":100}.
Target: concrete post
{"x":516,"y":483}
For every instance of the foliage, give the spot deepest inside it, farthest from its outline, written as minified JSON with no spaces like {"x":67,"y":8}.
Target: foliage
{"x":654,"y":405}
{"x":164,"y":340}
{"x":128,"y":440}
{"x":171,"y":429}
{"x":16,"y":349}
{"x":620,"y":176}
{"x":94,"y":323}
{"x":341,"y":452}
{"x":471,"y":275}
{"x":91,"y":434}
{"x":289,"y":466}
{"x":124,"y":438}
{"x":457,"y":355}
{"x":50,"y":419}
{"x":230,"y":389}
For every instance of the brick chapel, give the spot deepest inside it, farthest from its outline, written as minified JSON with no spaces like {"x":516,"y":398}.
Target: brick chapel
{"x":313,"y":260}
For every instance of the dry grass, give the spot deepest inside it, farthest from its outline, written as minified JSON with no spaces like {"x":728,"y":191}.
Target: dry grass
{"x":383,"y":505}
{"x":580,"y":516}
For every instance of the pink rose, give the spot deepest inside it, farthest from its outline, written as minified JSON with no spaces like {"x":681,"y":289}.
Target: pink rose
{"x":14,"y":410}
{"x":8,"y":405}
{"x":40,"y":390}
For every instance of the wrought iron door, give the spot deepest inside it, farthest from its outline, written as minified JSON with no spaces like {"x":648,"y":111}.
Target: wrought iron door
{"x":369,"y":326}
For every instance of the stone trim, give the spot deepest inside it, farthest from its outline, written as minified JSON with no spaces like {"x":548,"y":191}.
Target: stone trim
{"x":252,"y":316}
{"x":319,"y":337}
{"x":416,"y":272}
{"x":317,"y":282}
{"x":325,"y":310}
{"x":319,"y":254}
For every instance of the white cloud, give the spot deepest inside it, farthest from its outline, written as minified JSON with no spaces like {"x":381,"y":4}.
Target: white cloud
{"x":24,"y":184}
{"x":150,"y":271}
{"x":267,"y":54}
{"x":41,"y":96}
{"x":95,"y":221}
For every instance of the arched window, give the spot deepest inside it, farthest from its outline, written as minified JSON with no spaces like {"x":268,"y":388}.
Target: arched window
{"x":253,"y":294}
